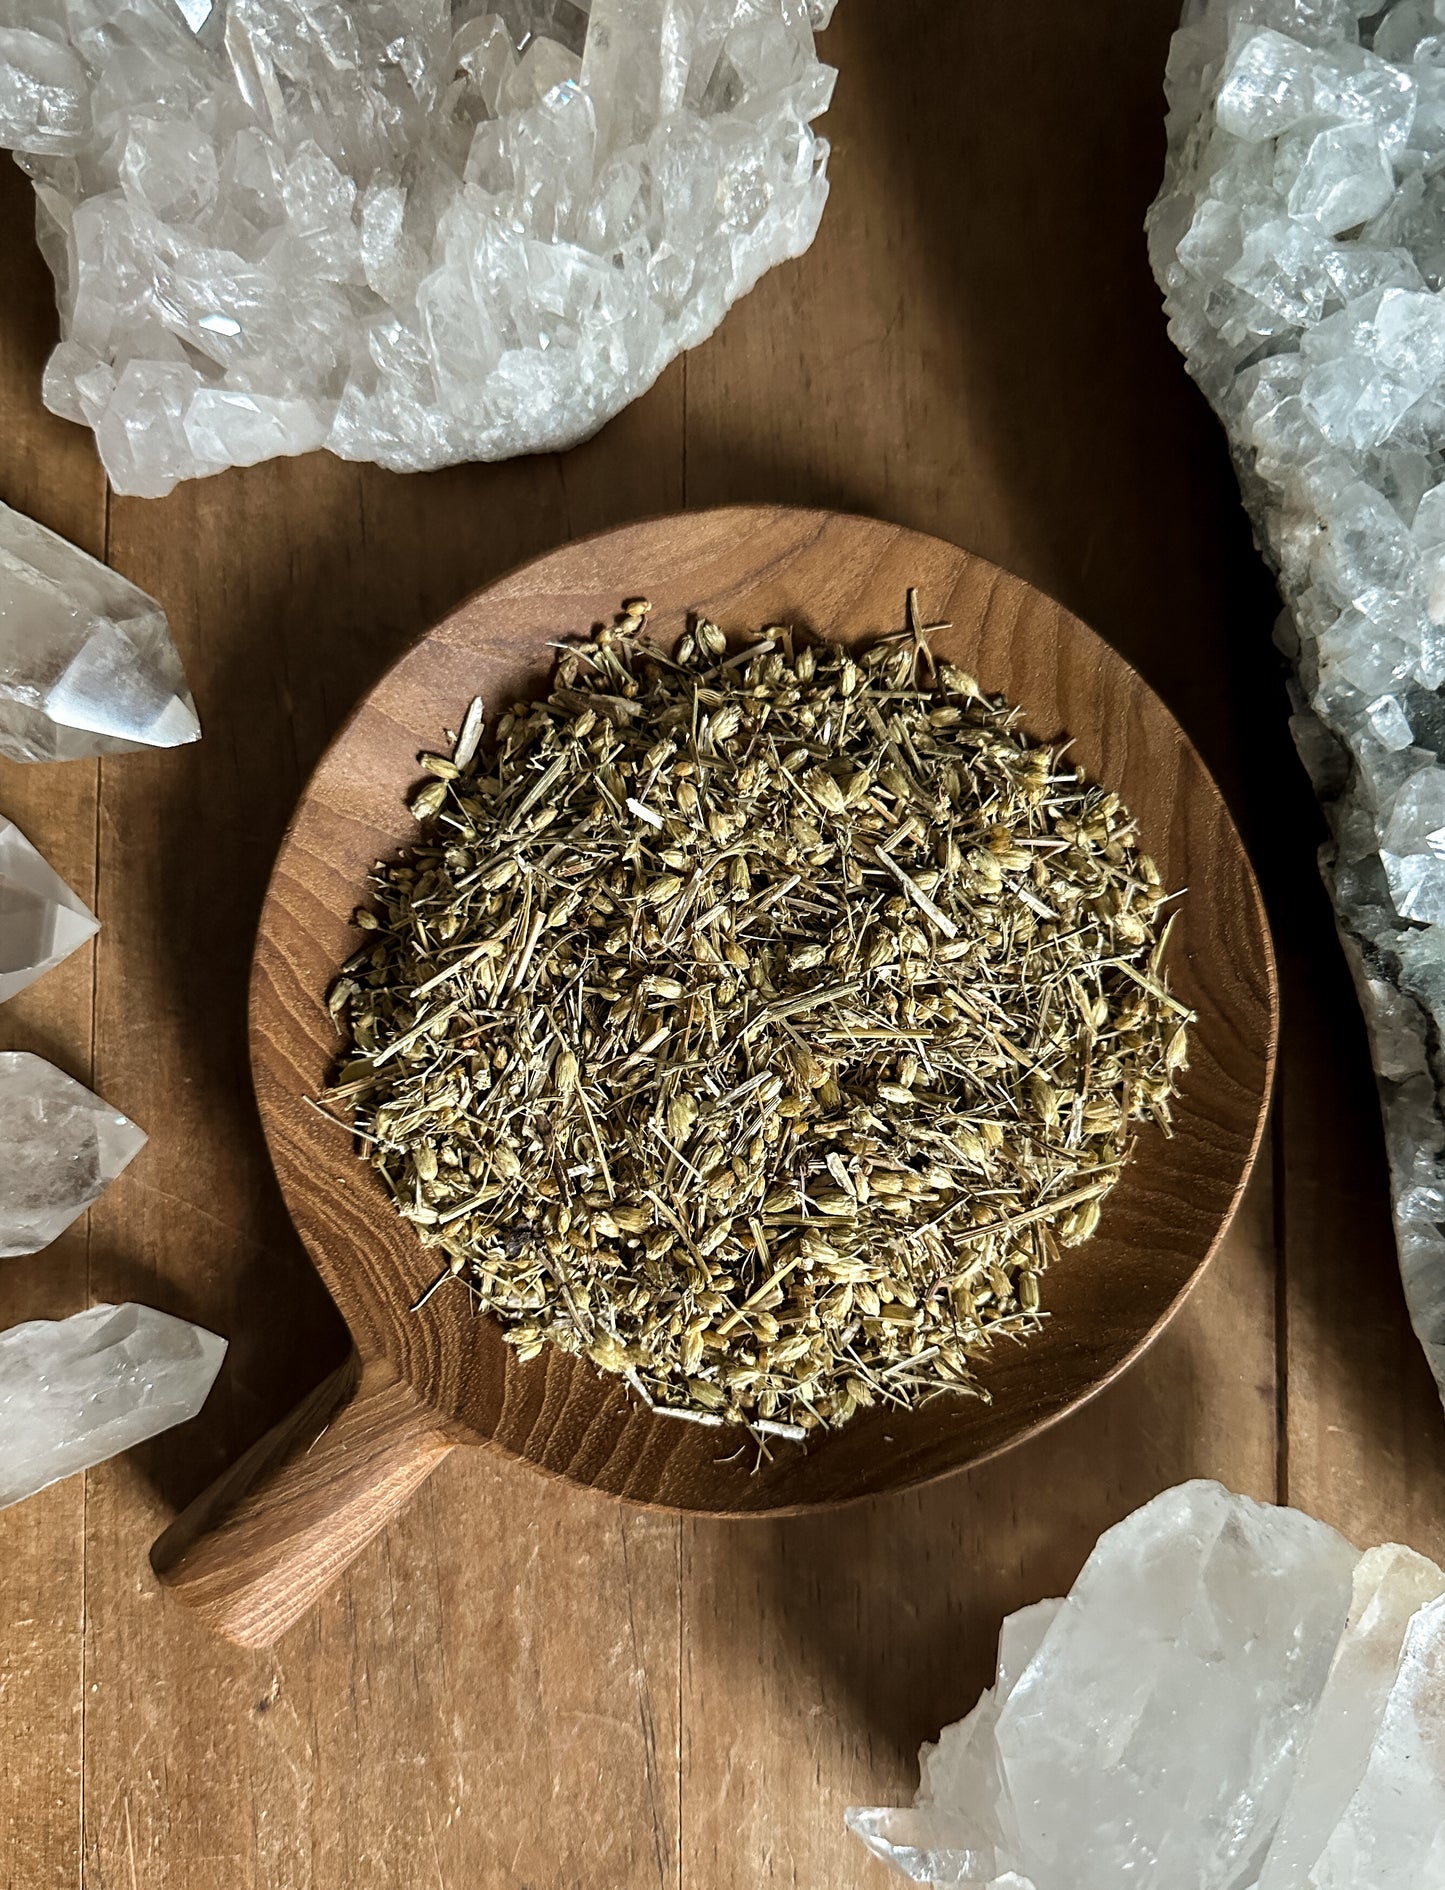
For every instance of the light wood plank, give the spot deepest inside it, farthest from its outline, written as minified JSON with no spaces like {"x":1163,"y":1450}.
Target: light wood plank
{"x":49,"y":470}
{"x":489,"y":1698}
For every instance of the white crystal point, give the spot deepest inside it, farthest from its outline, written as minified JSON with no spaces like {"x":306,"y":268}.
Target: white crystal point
{"x":75,"y":1391}
{"x":1392,"y":1835}
{"x":1391,"y":1585}
{"x":87,"y":665}
{"x":412,"y":233}
{"x":60,"y":1149}
{"x":41,"y":919}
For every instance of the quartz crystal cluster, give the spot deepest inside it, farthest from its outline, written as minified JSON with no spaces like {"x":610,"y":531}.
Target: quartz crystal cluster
{"x":1300,"y":242}
{"x":87,"y":665}
{"x":1230,"y":1698}
{"x":412,"y":231}
{"x":75,"y":1391}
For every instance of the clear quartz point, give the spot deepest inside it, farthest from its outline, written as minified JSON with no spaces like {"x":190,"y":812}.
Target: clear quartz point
{"x":75,"y":1391}
{"x":60,"y":1149}
{"x":87,"y":665}
{"x":41,"y":919}
{"x":1230,"y":1698}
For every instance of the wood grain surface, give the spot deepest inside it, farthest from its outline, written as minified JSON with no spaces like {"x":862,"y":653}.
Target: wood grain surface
{"x":522,"y":1682}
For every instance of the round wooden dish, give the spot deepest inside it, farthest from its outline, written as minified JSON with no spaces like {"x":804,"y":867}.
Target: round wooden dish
{"x":255,"y":1550}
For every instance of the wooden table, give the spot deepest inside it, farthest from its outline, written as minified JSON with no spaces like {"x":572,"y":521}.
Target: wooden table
{"x":520,"y":1683}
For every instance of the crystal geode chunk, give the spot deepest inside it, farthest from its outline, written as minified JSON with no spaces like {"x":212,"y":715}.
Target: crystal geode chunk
{"x":75,"y":1391}
{"x":87,"y":665}
{"x":1230,"y":1698}
{"x":60,"y":1149}
{"x":1299,"y":240}
{"x":41,"y":920}
{"x":413,"y":233}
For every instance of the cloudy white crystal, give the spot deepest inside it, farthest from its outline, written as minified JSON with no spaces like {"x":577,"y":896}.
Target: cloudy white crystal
{"x":75,"y":1391}
{"x":41,"y":919}
{"x":1300,"y":242}
{"x":1391,"y":1585}
{"x":87,"y":665}
{"x":1230,"y":1698}
{"x":60,"y":1149}
{"x":410,"y":232}
{"x":1392,"y":1834}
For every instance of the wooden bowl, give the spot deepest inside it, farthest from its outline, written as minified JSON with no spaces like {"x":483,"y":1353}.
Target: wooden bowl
{"x":253,"y":1551}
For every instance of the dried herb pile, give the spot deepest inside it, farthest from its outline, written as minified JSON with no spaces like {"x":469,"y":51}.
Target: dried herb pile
{"x":759,"y":1025}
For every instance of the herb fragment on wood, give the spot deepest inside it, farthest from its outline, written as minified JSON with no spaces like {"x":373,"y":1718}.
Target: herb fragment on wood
{"x":759,"y":1025}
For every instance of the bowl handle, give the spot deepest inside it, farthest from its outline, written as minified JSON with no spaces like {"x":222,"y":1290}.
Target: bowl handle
{"x":255,"y":1550}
